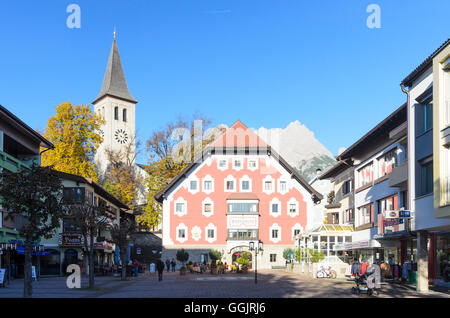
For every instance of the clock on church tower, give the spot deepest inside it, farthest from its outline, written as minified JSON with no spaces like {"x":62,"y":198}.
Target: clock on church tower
{"x":117,"y":107}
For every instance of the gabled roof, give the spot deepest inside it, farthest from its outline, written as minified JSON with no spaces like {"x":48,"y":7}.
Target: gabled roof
{"x":97,"y":187}
{"x":392,"y":121}
{"x":335,"y":170}
{"x":19,"y":124}
{"x":424,"y":65}
{"x":114,"y":82}
{"x":253,"y":144}
{"x":238,"y":135}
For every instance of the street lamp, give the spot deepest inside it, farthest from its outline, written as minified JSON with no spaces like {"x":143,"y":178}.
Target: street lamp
{"x":258,"y":248}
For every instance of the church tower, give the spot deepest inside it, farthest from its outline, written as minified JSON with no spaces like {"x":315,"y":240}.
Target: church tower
{"x":117,"y":107}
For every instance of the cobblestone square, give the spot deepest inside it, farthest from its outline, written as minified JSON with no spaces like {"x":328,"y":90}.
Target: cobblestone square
{"x":271,"y":284}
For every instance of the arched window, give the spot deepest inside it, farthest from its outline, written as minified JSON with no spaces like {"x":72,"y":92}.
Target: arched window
{"x":124,"y":114}
{"x":116,"y":113}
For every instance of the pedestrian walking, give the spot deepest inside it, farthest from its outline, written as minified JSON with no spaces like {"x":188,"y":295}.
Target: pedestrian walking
{"x":174,"y":264}
{"x":160,"y":268}
{"x":168,"y":265}
{"x":136,"y":268}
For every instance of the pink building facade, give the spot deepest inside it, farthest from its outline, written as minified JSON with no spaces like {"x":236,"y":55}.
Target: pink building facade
{"x":239,"y":191}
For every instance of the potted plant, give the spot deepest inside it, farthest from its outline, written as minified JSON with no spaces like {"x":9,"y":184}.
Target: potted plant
{"x":183,"y":257}
{"x":244,"y":261}
{"x":214,"y":255}
{"x":214,"y":269}
{"x":189,"y":266}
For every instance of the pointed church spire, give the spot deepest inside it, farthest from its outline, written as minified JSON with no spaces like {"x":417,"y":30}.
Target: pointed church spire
{"x":114,"y":82}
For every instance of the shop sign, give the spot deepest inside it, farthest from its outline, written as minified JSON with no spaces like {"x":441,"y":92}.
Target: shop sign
{"x":103,"y":245}
{"x":392,"y":222}
{"x":70,"y":240}
{"x":396,"y":214}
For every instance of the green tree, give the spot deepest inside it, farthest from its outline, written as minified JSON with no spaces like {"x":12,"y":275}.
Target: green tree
{"x":182,"y":256}
{"x":74,"y":132}
{"x":215,"y":255}
{"x":33,"y":199}
{"x":288,"y":253}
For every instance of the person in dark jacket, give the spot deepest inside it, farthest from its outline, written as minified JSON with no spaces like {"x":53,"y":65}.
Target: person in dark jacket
{"x":160,"y":268}
{"x":355,"y":267}
{"x":168,"y":265}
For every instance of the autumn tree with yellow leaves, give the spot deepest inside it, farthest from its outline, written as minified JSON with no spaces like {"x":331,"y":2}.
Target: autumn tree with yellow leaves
{"x":122,"y":178}
{"x":167,"y":158}
{"x":73,"y":131}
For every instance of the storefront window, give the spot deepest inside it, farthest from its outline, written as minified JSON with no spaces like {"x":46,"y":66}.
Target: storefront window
{"x":443,"y":257}
{"x":323,"y":242}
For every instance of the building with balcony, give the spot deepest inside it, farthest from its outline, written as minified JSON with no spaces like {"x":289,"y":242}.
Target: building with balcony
{"x":20,"y":147}
{"x":67,"y":246}
{"x":239,"y":191}
{"x":428,"y":93}
{"x":368,"y":180}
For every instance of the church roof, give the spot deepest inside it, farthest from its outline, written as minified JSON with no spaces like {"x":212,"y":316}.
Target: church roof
{"x":114,"y":82}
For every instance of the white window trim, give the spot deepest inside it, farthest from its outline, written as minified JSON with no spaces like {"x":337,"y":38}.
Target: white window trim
{"x":296,"y":226}
{"x":222,"y":168}
{"x":238,"y":168}
{"x":279,"y":186}
{"x":189,"y":185}
{"x":293,"y":201}
{"x":248,"y":164}
{"x":180,"y":200}
{"x":181,"y":226}
{"x":208,"y":201}
{"x":275,"y":226}
{"x":196,"y":230}
{"x":267,"y":179}
{"x":275,"y":214}
{"x":211,"y":226}
{"x":208,"y":178}
{"x":229,"y":178}
{"x":245,"y":178}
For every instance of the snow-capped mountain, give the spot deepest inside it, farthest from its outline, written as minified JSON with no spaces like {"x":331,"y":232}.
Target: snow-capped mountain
{"x":299,"y":147}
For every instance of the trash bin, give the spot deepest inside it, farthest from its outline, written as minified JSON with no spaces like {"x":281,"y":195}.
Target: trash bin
{"x":412,"y":277}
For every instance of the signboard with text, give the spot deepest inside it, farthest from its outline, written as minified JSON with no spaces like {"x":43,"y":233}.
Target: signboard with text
{"x":397,"y":214}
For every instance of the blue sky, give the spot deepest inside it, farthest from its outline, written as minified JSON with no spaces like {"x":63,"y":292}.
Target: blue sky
{"x":265,"y":62}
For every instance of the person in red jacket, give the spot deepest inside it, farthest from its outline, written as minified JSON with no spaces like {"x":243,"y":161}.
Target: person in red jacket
{"x":364,"y":266}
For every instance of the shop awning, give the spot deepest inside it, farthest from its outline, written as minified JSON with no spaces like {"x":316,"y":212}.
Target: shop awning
{"x":334,"y":228}
{"x":21,"y":250}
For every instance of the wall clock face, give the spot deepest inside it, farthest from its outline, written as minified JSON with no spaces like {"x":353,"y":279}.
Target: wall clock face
{"x":121,"y":136}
